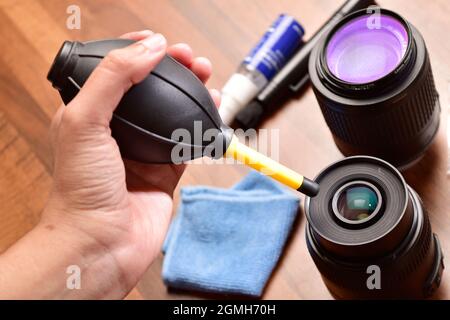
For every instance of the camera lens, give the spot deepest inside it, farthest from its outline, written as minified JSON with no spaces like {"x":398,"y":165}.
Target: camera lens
{"x":356,"y":202}
{"x":372,"y":77}
{"x":365,"y":215}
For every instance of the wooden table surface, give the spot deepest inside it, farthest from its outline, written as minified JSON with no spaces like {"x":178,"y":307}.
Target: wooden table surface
{"x":32,"y":31}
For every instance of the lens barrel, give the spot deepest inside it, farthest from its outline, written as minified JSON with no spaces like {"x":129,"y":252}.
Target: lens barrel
{"x":394,"y":117}
{"x":396,"y":239}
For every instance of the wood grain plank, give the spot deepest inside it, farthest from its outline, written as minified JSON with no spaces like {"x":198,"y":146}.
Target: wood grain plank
{"x":25,"y":114}
{"x":24,"y":185}
{"x":34,"y":23}
{"x":31,"y":32}
{"x":26,"y":65}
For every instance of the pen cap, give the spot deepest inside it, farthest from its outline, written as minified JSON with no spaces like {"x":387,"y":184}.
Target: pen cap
{"x":237,"y":92}
{"x":144,"y":123}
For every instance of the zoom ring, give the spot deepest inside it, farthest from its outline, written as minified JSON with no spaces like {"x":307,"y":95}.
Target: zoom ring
{"x":368,"y":128}
{"x":396,"y":271}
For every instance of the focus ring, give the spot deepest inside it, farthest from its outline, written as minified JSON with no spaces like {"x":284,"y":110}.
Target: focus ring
{"x":395,"y":120}
{"x":396,"y":270}
{"x":415,"y":112}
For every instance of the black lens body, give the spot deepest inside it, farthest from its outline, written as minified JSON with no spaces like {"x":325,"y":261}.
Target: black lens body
{"x":395,"y":117}
{"x":396,"y":237}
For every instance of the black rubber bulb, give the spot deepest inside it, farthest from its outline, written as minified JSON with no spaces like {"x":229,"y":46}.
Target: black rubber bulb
{"x":171,"y":97}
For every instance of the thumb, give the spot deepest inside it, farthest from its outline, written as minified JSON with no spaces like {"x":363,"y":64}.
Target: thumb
{"x":115,"y":74}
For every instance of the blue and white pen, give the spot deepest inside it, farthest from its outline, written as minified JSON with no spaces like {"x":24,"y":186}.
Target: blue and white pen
{"x":272,"y":52}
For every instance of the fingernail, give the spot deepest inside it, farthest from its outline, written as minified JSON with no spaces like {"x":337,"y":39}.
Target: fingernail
{"x":155,"y":43}
{"x":203,"y":60}
{"x":215,"y":92}
{"x":182,"y":45}
{"x":146,"y":32}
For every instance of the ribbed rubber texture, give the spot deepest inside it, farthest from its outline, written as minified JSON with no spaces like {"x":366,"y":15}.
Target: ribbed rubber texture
{"x":397,"y":273}
{"x":404,"y":128}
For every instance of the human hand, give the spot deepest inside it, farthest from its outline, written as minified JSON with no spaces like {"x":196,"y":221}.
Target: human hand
{"x":125,"y":208}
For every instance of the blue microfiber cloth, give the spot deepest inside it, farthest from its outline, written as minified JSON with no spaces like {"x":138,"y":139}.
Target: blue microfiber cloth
{"x":229,"y":240}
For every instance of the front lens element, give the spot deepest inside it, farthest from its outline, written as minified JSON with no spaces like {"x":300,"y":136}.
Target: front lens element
{"x":357,"y":203}
{"x":367,"y":48}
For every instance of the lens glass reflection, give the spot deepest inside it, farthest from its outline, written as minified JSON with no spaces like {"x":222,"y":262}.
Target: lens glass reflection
{"x":357,"y":203}
{"x":367,"y":48}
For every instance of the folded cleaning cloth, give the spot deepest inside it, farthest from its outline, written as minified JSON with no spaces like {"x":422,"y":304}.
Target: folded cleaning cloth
{"x":228,"y":240}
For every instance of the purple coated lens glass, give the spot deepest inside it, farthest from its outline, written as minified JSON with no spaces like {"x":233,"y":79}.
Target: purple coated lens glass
{"x":367,"y":48}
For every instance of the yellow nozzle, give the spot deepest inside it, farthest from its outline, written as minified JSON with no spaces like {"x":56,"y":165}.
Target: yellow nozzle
{"x":267,"y":166}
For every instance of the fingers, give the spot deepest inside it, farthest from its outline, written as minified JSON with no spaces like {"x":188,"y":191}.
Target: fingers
{"x":182,"y":53}
{"x":137,"y":35}
{"x":202,"y":68}
{"x":215,"y":95}
{"x":124,"y":67}
{"x":115,"y":74}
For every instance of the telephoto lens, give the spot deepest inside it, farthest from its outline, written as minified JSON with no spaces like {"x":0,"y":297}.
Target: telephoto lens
{"x":369,"y":234}
{"x":372,"y":77}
